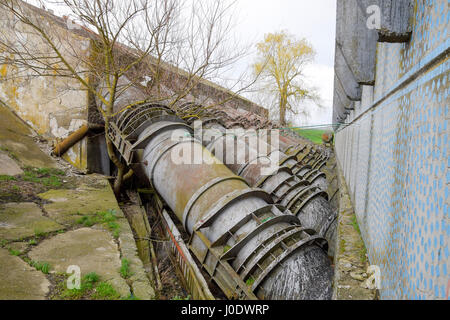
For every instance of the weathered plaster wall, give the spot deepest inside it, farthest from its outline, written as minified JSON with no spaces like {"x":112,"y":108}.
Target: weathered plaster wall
{"x":394,"y":154}
{"x":53,"y":106}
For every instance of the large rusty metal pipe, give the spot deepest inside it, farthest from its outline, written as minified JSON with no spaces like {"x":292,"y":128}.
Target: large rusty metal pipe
{"x":249,"y":246}
{"x":307,"y":201}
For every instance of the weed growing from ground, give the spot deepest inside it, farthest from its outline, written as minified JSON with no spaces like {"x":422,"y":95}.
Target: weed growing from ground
{"x":107,"y":218}
{"x":39,"y":233}
{"x":250,"y":281}
{"x":14,"y":252}
{"x":7,"y":178}
{"x":48,"y":177}
{"x":125,"y":269}
{"x":44,"y":267}
{"x":105,"y":291}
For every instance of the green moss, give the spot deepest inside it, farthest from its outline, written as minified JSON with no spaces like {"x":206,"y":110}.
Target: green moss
{"x":250,"y":281}
{"x":39,"y":233}
{"x":362,"y":254}
{"x":48,"y":177}
{"x":87,"y":221}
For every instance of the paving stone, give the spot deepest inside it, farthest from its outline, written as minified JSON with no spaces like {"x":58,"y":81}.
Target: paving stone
{"x":67,"y":206}
{"x":143,"y":290}
{"x":19,"y":281}
{"x":23,"y":219}
{"x":92,"y":250}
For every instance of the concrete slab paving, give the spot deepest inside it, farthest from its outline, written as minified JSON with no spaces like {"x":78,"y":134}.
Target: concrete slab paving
{"x":9,"y":166}
{"x":24,"y":219}
{"x":19,"y":281}
{"x":92,"y":250}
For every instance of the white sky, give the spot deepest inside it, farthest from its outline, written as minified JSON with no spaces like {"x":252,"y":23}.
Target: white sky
{"x":313,"y":20}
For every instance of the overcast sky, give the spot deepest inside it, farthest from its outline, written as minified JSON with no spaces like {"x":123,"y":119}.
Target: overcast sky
{"x":313,"y":20}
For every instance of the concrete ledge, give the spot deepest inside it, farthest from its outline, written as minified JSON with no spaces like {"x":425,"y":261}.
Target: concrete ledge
{"x":351,"y":281}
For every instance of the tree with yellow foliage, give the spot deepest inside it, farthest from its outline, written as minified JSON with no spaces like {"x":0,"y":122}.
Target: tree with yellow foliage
{"x":280,"y":66}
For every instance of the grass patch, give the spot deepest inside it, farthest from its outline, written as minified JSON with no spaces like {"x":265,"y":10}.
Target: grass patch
{"x":14,"y":252}
{"x":250,"y":281}
{"x":355,"y":224}
{"x":362,"y":254}
{"x":44,"y":267}
{"x":125,"y":269}
{"x":32,"y":242}
{"x":89,"y":280}
{"x":39,"y":233}
{"x":48,"y":177}
{"x":105,"y":291}
{"x":4,"y":177}
{"x":107,"y":218}
{"x":87,"y":284}
{"x":314,"y":135}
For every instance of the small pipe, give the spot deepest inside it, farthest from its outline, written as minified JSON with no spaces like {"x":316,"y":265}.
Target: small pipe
{"x":70,"y":141}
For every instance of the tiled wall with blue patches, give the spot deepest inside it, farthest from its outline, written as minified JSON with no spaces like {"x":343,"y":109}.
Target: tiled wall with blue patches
{"x":401,"y":189}
{"x":430,"y":21}
{"x":362,"y":166}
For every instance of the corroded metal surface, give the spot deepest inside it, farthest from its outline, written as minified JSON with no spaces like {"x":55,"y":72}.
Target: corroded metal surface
{"x":227,"y":220}
{"x":300,"y":187}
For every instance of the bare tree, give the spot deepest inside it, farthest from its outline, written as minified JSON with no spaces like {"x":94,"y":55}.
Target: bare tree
{"x":164,"y":48}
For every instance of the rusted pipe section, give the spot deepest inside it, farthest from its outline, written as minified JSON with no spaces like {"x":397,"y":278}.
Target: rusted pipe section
{"x":250,"y":246}
{"x":305,"y":200}
{"x":70,"y":141}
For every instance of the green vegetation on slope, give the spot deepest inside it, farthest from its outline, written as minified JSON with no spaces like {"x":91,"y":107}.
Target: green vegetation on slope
{"x":315,"y":135}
